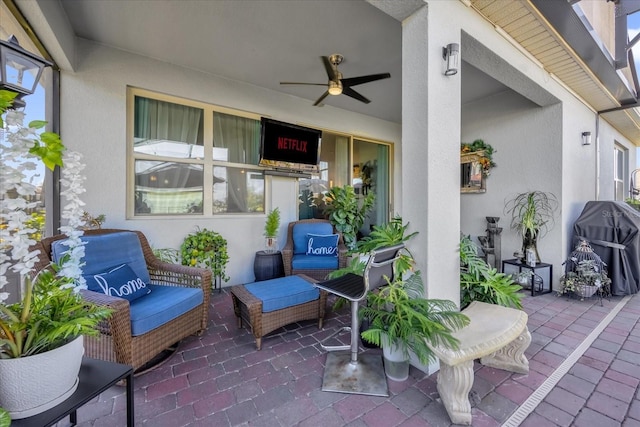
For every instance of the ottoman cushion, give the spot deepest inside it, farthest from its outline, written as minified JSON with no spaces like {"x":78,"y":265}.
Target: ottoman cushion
{"x":283,"y":292}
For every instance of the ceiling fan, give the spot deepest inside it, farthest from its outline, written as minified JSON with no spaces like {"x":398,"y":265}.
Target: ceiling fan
{"x":336,"y":84}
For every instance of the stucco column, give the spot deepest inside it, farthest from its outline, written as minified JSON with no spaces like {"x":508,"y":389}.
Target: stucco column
{"x":430,"y":146}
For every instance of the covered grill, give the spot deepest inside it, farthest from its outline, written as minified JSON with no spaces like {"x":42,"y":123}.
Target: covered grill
{"x":613,"y":231}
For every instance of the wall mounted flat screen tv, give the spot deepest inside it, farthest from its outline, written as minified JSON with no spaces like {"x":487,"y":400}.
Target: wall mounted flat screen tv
{"x":289,"y":147}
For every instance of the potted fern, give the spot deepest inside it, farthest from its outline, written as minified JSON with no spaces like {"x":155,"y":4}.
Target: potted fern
{"x":403,"y":321}
{"x":271,"y":227}
{"x":480,"y":282}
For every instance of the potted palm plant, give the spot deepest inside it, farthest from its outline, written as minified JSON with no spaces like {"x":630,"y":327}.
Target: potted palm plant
{"x":271,"y":227}
{"x":392,"y":233}
{"x":403,"y":321}
{"x":532,"y":214}
{"x":42,"y":332}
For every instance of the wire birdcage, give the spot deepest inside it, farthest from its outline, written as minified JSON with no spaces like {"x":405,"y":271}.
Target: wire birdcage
{"x":582,"y":253}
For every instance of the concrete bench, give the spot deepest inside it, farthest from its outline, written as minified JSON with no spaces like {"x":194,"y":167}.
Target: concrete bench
{"x":496,"y":335}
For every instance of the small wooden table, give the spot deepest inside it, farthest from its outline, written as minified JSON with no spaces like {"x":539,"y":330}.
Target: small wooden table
{"x":95,"y":377}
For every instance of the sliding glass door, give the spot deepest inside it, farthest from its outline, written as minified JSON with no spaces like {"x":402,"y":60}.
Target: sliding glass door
{"x":345,"y":160}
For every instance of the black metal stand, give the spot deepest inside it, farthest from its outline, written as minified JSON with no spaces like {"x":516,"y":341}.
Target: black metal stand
{"x":95,"y":377}
{"x":542,"y":271}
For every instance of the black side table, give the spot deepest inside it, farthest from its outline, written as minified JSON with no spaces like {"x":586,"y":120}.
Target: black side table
{"x":95,"y":377}
{"x":268,"y":265}
{"x":540,"y":282}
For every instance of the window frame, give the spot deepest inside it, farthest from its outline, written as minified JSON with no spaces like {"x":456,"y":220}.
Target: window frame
{"x":207,"y":161}
{"x":624,"y":153}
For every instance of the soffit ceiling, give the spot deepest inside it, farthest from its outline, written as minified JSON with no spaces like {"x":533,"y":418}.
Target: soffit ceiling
{"x":522,"y":21}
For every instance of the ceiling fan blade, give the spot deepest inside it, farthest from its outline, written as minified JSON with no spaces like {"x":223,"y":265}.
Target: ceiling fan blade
{"x":353,"y":81}
{"x":327,"y":66}
{"x":353,"y":94}
{"x":301,"y":83}
{"x":319,"y":101}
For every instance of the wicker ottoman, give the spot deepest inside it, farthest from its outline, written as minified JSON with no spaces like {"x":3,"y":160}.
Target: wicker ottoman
{"x":277,"y":304}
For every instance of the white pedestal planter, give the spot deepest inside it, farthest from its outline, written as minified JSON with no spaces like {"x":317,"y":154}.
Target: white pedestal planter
{"x":396,"y":363}
{"x":31,"y":385}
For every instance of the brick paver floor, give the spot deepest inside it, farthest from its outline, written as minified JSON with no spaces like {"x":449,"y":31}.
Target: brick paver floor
{"x":219,"y":379}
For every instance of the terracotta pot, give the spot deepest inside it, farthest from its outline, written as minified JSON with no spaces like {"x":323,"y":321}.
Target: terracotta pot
{"x":33,"y":384}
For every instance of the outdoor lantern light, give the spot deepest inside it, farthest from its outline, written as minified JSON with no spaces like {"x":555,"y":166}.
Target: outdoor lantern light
{"x":450,"y":54}
{"x":586,"y":138}
{"x":20,"y":70}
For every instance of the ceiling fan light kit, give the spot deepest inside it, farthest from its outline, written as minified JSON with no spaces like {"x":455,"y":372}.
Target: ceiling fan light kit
{"x":337,"y":85}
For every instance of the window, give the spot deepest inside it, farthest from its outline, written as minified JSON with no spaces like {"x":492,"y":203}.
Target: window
{"x":192,"y":158}
{"x":619,"y":172}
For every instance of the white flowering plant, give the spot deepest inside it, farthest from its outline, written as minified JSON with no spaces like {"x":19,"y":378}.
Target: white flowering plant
{"x":51,"y":311}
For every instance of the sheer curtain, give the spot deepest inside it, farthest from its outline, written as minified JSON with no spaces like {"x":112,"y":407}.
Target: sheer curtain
{"x":169,"y":187}
{"x":167,"y":121}
{"x":240,"y":139}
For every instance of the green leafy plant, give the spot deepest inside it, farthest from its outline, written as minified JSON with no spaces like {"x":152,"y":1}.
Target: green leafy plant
{"x":272,"y":223}
{"x":486,"y":160}
{"x":634,"y":203}
{"x":169,"y":255}
{"x":93,"y":222}
{"x":587,"y":274}
{"x":345,"y":212}
{"x":5,"y":419}
{"x":399,"y":314}
{"x":50,"y":314}
{"x":206,"y":249}
{"x":390,"y":234}
{"x":480,"y":282}
{"x":532,"y":212}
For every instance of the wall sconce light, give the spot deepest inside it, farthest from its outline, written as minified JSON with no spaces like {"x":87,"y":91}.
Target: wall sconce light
{"x":586,"y":138}
{"x":450,"y":54}
{"x":20,"y":70}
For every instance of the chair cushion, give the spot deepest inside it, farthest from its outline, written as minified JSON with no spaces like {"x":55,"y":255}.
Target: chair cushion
{"x":162,"y":305}
{"x":120,"y":281}
{"x":283,"y":292}
{"x":301,"y":230}
{"x":103,"y":251}
{"x":313,"y":262}
{"x":322,"y":244}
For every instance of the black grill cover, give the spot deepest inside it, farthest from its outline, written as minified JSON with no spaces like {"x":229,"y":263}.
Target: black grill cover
{"x":613,"y":231}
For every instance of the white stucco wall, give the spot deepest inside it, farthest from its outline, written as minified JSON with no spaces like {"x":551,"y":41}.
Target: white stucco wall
{"x":93,"y":122}
{"x":538,"y":143}
{"x":527,"y":150}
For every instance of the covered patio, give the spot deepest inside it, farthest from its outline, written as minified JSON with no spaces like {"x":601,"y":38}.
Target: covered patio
{"x":584,"y":371}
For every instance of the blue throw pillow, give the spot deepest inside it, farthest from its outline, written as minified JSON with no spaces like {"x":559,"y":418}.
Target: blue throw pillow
{"x":322,"y":244}
{"x":120,"y":281}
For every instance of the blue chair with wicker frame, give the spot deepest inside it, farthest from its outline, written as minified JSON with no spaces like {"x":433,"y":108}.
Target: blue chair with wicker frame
{"x":299,"y":258}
